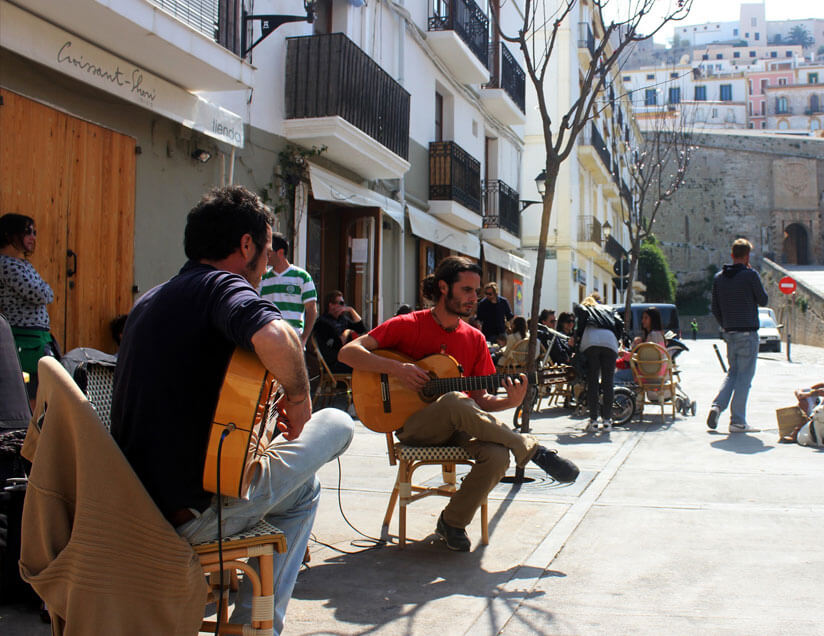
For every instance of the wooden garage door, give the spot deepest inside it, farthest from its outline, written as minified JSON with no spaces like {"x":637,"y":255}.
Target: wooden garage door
{"x":77,"y":180}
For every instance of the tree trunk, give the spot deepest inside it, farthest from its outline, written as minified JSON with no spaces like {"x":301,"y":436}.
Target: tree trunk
{"x":552,"y":168}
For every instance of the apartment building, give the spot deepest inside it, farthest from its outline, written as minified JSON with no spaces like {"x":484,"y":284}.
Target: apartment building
{"x":797,"y":104}
{"x":116,"y":116}
{"x":586,"y":233}
{"x":706,"y":98}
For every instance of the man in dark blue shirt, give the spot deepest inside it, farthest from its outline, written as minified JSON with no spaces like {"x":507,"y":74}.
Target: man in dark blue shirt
{"x":176,"y":347}
{"x":493,"y":312}
{"x":737,"y":293}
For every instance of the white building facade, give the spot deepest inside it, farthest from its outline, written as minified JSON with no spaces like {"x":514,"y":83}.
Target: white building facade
{"x":418,"y":110}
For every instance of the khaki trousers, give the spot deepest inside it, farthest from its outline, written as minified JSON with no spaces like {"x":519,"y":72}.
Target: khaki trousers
{"x":455,"y":419}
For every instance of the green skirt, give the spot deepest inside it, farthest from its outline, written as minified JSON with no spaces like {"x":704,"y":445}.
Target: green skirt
{"x":32,"y":344}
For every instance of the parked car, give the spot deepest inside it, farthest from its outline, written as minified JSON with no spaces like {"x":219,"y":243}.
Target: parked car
{"x":769,"y":338}
{"x":669,"y":317}
{"x":768,"y":312}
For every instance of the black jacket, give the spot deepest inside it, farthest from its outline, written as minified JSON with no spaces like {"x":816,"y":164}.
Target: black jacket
{"x":737,"y":293}
{"x":600,"y":317}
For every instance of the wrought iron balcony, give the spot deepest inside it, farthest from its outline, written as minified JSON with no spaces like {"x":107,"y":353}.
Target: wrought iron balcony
{"x":454,"y":175}
{"x":507,"y":74}
{"x":501,"y":209}
{"x":597,"y":142}
{"x":585,"y":38}
{"x":626,"y":193}
{"x":467,"y":20}
{"x":329,"y":77}
{"x":589,"y":230}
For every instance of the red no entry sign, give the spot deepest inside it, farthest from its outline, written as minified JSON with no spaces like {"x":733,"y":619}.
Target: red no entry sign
{"x":787,"y":285}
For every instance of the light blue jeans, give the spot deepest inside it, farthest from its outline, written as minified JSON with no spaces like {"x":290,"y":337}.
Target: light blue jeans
{"x":285,"y":493}
{"x":742,"y":353}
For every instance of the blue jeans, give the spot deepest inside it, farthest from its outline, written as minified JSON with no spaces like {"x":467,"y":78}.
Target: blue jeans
{"x":285,"y":493}
{"x":742,"y":353}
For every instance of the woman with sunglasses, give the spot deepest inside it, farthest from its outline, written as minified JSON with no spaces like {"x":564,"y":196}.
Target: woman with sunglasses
{"x":24,"y":294}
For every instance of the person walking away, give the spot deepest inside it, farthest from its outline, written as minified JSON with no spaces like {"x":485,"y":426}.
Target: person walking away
{"x":290,"y":289}
{"x":494,"y":312}
{"x":737,"y":293}
{"x":455,"y":418}
{"x":598,"y":328}
{"x":24,"y":296}
{"x":694,"y":327}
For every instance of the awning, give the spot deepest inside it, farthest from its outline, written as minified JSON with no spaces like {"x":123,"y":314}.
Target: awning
{"x":506,"y":260}
{"x":428,"y":227}
{"x":327,"y":186}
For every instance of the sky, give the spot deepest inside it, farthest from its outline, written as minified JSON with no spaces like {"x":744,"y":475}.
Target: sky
{"x":727,"y":11}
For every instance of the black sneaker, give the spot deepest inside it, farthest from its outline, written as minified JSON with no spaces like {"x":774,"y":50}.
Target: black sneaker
{"x":455,"y":538}
{"x":555,"y":466}
{"x":712,"y":418}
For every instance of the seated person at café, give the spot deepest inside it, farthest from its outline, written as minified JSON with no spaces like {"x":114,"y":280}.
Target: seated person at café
{"x":337,"y":325}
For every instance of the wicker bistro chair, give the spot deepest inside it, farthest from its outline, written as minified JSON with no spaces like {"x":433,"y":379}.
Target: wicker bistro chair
{"x":261,"y":541}
{"x":409,"y":459}
{"x":652,"y":370}
{"x":329,"y":381}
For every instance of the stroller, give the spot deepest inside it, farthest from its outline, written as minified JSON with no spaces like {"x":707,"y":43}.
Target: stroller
{"x":683,"y":403}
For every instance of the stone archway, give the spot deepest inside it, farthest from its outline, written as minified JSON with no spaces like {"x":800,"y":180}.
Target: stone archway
{"x":795,"y":248}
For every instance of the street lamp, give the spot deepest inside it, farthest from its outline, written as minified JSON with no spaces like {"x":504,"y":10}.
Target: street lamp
{"x":540,"y":183}
{"x":606,"y":228}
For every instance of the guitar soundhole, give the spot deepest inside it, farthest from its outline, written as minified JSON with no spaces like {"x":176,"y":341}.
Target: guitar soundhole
{"x":429,"y":392}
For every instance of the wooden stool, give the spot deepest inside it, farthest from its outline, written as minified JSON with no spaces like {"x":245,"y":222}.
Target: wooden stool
{"x":261,"y":541}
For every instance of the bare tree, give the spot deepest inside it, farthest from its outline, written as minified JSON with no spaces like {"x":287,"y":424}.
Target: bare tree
{"x":545,"y":23}
{"x":657,"y":169}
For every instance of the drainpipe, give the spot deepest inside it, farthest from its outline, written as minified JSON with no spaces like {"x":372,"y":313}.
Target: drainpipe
{"x":402,"y":192}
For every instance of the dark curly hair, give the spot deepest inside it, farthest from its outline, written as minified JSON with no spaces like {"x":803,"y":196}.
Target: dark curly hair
{"x":13,"y":227}
{"x":448,"y":271}
{"x":215,"y":226}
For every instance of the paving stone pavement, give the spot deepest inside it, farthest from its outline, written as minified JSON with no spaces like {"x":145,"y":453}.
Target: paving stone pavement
{"x":669,"y":529}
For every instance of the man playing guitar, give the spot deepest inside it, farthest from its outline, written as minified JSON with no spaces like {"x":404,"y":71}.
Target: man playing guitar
{"x":176,"y":348}
{"x":455,"y":418}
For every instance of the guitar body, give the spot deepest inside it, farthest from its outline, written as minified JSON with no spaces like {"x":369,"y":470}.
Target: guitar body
{"x":246,"y":408}
{"x":383,"y":403}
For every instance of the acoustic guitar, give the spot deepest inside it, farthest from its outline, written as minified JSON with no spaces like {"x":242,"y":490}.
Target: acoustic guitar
{"x":384,"y":404}
{"x":248,"y":410}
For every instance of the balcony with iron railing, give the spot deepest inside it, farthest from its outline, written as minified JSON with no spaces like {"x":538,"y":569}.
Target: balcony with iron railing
{"x":454,"y":185}
{"x":589,"y":236}
{"x":594,"y":155}
{"x":626,"y":193}
{"x":459,"y":33}
{"x":339,"y":97}
{"x":586,"y":40}
{"x":505,"y":93}
{"x":502,"y":218}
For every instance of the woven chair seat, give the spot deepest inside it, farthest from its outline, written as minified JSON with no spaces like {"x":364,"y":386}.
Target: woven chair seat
{"x":430,"y":453}
{"x":261,"y":532}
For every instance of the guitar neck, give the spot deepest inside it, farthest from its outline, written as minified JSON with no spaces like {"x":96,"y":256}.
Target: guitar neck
{"x":439,"y":386}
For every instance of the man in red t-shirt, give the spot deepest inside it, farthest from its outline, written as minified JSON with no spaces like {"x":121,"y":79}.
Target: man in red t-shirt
{"x":455,"y":418}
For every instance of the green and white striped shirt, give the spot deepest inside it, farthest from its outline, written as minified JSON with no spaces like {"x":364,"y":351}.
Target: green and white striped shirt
{"x":289,"y":291}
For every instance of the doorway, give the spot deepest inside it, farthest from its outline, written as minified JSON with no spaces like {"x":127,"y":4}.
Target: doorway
{"x":77,"y":181}
{"x":343,"y":253}
{"x":795,"y":245}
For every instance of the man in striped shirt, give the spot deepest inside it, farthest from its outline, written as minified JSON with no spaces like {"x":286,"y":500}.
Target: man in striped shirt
{"x":290,"y":289}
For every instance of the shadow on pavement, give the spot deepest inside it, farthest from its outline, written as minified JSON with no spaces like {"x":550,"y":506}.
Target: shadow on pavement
{"x":405,"y":581}
{"x":740,"y":443}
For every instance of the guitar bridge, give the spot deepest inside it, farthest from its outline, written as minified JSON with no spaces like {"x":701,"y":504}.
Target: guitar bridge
{"x":387,"y":403}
